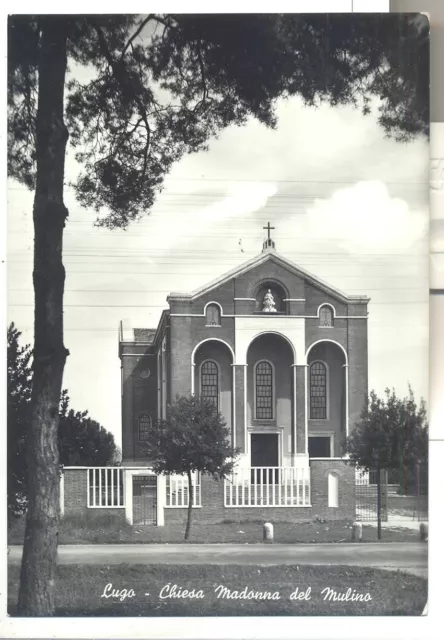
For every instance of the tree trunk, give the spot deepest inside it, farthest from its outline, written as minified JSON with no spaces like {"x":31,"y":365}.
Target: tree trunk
{"x":37,"y":577}
{"x":379,"y":507}
{"x":190,"y":505}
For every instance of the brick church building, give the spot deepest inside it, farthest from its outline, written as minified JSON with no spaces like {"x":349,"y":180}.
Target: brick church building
{"x":283,"y":355}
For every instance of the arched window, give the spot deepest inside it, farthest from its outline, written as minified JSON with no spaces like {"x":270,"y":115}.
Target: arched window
{"x":264,"y":390}
{"x":209,"y":382}
{"x":144,"y":427}
{"x":325,"y":316}
{"x":318,"y":391}
{"x":213,"y":315}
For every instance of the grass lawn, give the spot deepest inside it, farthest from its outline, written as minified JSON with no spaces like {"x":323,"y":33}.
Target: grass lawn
{"x":101,"y":529}
{"x":79,"y":590}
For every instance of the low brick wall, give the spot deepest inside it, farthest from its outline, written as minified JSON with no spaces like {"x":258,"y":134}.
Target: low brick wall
{"x":76,"y":498}
{"x":75,"y":488}
{"x":319,"y":489}
{"x":213,"y":510}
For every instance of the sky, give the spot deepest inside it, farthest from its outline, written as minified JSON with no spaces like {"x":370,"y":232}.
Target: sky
{"x":348,"y":204}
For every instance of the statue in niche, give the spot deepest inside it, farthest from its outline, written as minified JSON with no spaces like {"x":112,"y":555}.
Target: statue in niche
{"x":269,"y":305}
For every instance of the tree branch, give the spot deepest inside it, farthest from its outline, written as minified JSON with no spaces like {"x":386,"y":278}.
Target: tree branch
{"x":137,"y":32}
{"x":118,"y":68}
{"x":202,"y":71}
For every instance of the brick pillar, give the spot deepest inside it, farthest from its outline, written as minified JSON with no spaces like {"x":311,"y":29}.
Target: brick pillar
{"x":240,"y":405}
{"x":301,"y":418}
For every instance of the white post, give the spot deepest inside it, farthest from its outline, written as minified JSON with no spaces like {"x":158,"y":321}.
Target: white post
{"x":62,"y":493}
{"x":268,"y":533}
{"x":161,"y":499}
{"x":357,"y":532}
{"x":128,"y":495}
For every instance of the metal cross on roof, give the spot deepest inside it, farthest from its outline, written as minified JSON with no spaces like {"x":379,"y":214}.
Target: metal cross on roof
{"x":268,"y":228}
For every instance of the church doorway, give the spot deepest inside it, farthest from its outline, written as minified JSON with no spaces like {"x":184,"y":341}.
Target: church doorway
{"x":264,"y":450}
{"x":145,"y":500}
{"x":264,"y":453}
{"x":320,"y":446}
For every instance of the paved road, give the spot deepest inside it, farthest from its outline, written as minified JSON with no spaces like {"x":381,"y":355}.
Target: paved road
{"x":410,"y":557}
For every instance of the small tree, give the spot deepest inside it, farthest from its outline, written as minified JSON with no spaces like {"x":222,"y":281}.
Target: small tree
{"x":194,"y":437}
{"x":392,"y":434}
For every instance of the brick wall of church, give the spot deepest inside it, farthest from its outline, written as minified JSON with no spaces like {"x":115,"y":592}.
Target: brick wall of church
{"x":357,"y":368}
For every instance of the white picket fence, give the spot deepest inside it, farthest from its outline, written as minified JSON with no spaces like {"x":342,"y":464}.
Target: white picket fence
{"x":105,"y":487}
{"x":268,"y":487}
{"x":177,"y":491}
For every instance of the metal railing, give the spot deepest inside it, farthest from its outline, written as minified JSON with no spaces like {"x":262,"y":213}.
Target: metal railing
{"x":268,"y":487}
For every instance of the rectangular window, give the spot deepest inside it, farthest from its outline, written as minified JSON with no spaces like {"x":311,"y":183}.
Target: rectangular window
{"x":177,"y":490}
{"x":105,"y":487}
{"x":319,"y":447}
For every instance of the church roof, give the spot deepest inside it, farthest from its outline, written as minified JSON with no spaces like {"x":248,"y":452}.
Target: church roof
{"x":269,"y":253}
{"x":144,"y":335}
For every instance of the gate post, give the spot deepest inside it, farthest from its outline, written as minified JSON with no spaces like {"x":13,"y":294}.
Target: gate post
{"x":128,"y":479}
{"x":161,"y":499}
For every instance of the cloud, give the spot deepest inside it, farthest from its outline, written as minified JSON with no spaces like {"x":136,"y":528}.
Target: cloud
{"x":365,"y":218}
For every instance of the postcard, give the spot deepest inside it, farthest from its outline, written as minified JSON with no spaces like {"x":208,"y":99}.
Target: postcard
{"x":218,"y":316}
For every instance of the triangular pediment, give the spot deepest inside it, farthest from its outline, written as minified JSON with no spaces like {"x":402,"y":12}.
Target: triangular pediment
{"x":269,"y":255}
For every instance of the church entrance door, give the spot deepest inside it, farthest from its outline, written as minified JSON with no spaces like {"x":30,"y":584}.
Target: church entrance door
{"x":145,"y":500}
{"x":264,"y":453}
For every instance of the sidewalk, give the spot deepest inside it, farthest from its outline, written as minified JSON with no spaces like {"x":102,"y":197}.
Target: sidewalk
{"x":396,"y":522}
{"x":410,"y":557}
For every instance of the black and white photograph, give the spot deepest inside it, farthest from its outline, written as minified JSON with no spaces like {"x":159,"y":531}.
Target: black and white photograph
{"x":217,"y":315}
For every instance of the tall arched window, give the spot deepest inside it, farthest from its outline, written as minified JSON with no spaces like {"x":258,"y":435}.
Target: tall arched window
{"x":209,"y":382}
{"x":144,"y":426}
{"x":213,"y":315}
{"x":264,"y":390}
{"x":318,"y":391}
{"x":325,"y":316}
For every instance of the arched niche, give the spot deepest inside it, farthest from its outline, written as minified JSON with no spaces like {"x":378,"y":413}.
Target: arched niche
{"x":327,"y":393}
{"x":213,"y":360}
{"x":273,"y":290}
{"x":333,"y":489}
{"x":273,"y":353}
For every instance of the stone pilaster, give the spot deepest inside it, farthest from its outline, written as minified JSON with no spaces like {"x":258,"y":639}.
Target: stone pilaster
{"x":239,"y":378}
{"x":301,"y":409}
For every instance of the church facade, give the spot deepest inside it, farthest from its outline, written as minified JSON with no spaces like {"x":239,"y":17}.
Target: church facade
{"x":283,"y":356}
